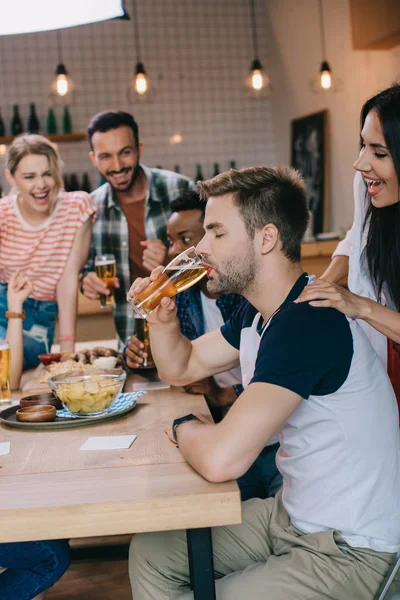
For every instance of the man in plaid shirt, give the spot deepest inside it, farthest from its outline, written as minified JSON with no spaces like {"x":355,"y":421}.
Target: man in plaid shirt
{"x":133,"y":208}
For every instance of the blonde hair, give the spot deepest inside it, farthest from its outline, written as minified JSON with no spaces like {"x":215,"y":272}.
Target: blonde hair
{"x":31,"y":143}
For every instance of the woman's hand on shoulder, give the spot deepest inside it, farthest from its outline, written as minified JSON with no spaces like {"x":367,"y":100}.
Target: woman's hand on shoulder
{"x":324,"y":294}
{"x":19,"y":289}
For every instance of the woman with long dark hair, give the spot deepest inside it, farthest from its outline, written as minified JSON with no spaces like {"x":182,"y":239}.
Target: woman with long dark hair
{"x":370,"y":253}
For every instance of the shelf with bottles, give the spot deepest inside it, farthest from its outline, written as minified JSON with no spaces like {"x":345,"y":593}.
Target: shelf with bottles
{"x":57,"y":137}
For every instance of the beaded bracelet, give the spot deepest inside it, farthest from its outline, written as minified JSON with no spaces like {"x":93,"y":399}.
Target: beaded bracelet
{"x":67,"y":338}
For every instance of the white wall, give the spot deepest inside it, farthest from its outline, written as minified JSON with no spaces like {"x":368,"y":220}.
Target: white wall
{"x":293,"y":44}
{"x":196,"y":51}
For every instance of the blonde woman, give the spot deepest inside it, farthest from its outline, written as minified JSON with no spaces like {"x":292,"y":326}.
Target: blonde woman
{"x":45,"y":234}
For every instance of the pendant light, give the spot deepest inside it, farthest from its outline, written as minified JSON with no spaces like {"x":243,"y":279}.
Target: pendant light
{"x":324,"y":81}
{"x":140,"y":83}
{"x":62,"y":84}
{"x":257,"y":81}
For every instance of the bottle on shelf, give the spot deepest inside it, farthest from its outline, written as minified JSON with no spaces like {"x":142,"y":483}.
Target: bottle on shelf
{"x":67,"y":121}
{"x":73,"y":183}
{"x":16,"y":123}
{"x":232,"y":164}
{"x":158,"y":167}
{"x":66,"y":182}
{"x":33,"y":121}
{"x":51,"y":122}
{"x":86,"y":186}
{"x":2,"y":126}
{"x":177,"y":169}
{"x":199,"y":174}
{"x":216,"y":170}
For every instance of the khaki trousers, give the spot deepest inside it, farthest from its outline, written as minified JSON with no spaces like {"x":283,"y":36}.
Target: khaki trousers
{"x":264,"y":558}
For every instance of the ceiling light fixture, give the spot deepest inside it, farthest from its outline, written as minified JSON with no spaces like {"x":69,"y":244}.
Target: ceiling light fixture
{"x":62,"y":84}
{"x":257,"y":80}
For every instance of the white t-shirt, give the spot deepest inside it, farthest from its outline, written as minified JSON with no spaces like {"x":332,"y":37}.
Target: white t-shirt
{"x":340,"y":448}
{"x":213,"y":320}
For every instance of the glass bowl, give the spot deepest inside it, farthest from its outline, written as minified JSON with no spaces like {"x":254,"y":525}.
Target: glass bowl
{"x":88,"y":393}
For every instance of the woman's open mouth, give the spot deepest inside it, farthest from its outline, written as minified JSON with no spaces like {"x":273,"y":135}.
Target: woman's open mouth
{"x":374,"y":186}
{"x":42,"y":198}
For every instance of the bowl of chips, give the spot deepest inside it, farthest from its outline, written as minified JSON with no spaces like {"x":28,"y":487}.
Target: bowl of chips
{"x":88,"y":394}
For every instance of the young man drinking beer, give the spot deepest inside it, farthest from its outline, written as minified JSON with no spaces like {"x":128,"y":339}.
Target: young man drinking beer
{"x":309,"y":375}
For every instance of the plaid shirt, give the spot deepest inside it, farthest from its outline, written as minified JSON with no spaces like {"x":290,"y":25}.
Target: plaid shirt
{"x":191,"y":317}
{"x":111,"y":236}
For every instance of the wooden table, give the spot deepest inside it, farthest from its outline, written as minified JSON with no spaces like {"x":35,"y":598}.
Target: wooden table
{"x":50,"y":489}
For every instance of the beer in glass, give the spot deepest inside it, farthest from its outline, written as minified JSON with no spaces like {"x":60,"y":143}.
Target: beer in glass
{"x":5,"y":396}
{"x":180,"y":274}
{"x":106,"y":270}
{"x":142,"y":333}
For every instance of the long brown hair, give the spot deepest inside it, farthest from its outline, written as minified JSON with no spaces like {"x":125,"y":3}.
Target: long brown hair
{"x":383,"y":240}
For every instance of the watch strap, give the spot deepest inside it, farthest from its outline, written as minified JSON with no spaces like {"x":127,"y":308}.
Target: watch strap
{"x":180,"y":420}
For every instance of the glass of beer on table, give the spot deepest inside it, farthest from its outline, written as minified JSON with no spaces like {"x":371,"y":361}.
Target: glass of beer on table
{"x":142,"y":334}
{"x":181,"y":273}
{"x":5,"y":396}
{"x":106,"y":270}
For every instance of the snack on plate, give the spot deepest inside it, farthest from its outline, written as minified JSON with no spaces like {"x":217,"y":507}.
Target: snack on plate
{"x":84,"y":360}
{"x":88,"y":393}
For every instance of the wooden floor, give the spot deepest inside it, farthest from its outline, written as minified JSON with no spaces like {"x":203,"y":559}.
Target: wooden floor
{"x":93,"y":579}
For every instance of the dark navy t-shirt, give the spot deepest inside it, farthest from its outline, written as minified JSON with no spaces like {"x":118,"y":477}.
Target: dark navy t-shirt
{"x":305,"y":349}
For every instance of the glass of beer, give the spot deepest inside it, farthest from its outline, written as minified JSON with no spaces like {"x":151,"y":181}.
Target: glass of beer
{"x":142,"y":333}
{"x":106,"y":270}
{"x":181,"y":273}
{"x":5,"y":396}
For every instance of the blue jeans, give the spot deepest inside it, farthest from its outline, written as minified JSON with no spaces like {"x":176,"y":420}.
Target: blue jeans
{"x":32,"y":567}
{"x":263,"y":479}
{"x":39,"y":326}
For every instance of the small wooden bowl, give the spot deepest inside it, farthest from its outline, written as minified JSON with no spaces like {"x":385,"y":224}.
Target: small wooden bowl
{"x":36,"y":414}
{"x":45,"y":399}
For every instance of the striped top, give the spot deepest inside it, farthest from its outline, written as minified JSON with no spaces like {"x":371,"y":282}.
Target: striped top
{"x":41,"y":252}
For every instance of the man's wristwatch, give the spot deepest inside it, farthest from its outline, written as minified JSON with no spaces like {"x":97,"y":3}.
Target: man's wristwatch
{"x":190,"y":417}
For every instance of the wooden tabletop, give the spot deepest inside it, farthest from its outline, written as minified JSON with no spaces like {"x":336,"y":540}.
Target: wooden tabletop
{"x":50,"y":489}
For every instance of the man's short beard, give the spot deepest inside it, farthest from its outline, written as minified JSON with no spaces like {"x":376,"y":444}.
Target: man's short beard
{"x":129,"y":186}
{"x":237,"y":278}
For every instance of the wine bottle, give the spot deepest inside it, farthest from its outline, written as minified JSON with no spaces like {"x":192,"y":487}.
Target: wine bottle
{"x":2,"y":126}
{"x":216,"y":170}
{"x":67,"y":121}
{"x":199,"y":174}
{"x":232,"y":164}
{"x":33,"y":121}
{"x":177,"y":169}
{"x":16,"y":123}
{"x":73,"y":183}
{"x":86,"y":186}
{"x":67,"y":186}
{"x":51,"y":122}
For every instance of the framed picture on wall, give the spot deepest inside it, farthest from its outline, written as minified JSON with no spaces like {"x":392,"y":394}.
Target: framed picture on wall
{"x":309,"y":150}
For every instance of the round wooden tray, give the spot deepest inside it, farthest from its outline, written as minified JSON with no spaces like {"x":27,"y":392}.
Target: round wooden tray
{"x":7,"y":416}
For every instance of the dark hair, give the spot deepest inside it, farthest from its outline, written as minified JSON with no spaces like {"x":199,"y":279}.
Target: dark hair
{"x":189,"y":201}
{"x":383,"y":240}
{"x":105,"y":121}
{"x":266,"y":195}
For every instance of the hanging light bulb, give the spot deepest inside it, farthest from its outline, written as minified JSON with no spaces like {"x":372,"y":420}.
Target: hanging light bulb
{"x":62,"y":85}
{"x":258,"y":80}
{"x":61,"y":80}
{"x":324,"y":81}
{"x":141,"y":82}
{"x":326,"y":78}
